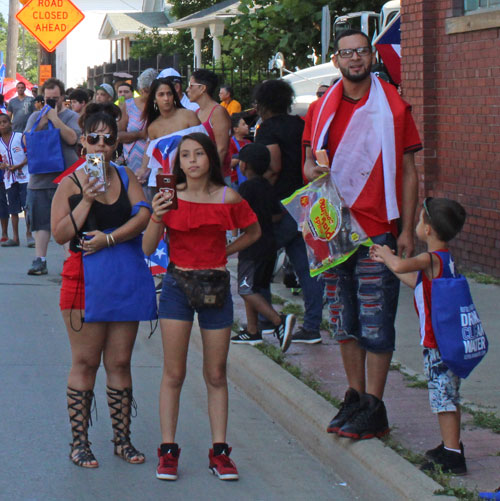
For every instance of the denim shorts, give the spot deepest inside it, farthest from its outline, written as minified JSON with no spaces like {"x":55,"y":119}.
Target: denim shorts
{"x":443,"y":385}
{"x":4,"y":208}
{"x":362,"y":299}
{"x":174,"y":305}
{"x":38,"y":207}
{"x":16,"y":197}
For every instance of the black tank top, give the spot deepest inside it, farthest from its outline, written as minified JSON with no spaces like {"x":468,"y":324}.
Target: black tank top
{"x":101,"y":216}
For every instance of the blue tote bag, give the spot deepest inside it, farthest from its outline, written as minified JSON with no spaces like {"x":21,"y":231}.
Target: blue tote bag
{"x":458,"y":330}
{"x":43,"y":147}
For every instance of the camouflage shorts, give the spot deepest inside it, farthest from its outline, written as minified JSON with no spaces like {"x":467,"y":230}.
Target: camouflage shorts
{"x":443,"y":385}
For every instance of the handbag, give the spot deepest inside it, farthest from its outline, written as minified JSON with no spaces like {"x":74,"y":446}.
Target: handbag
{"x":203,"y":288}
{"x":43,"y":147}
{"x":459,"y":332}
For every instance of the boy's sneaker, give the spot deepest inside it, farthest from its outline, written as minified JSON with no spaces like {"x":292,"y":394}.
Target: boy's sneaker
{"x":244,"y":337}
{"x":348,"y":408}
{"x":304,"y":336}
{"x":436,"y":452}
{"x":449,"y":461}
{"x":284,"y":331}
{"x":38,"y":267}
{"x":222,"y":466}
{"x":370,"y":421}
{"x":167,"y":464}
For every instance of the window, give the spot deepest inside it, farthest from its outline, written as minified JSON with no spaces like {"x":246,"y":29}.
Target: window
{"x":474,"y":5}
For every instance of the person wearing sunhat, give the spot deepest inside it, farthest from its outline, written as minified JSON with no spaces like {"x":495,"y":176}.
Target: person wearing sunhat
{"x":104,"y":94}
{"x":173,"y":75}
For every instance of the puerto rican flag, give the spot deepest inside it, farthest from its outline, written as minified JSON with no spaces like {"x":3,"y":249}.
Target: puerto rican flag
{"x":158,"y":261}
{"x":162,"y":151}
{"x":388,"y":45}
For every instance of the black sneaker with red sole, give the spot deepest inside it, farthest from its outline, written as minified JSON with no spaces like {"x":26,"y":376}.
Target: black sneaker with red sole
{"x":348,"y":408}
{"x":369,"y":421}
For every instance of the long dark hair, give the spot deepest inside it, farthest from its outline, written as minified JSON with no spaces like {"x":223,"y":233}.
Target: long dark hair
{"x":96,"y":114}
{"x":151,"y":113}
{"x":215,"y":171}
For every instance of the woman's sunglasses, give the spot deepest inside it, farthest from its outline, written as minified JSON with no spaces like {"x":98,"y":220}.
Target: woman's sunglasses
{"x":93,"y":138}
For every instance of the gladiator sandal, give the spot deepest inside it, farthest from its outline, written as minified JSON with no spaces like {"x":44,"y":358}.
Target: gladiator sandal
{"x":121,"y":404}
{"x":80,"y":409}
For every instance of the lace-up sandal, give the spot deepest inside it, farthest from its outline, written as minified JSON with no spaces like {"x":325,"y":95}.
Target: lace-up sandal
{"x":121,"y":404}
{"x":79,"y":410}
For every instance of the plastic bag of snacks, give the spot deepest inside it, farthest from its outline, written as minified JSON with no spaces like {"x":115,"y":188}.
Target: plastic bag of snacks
{"x":331,"y":232}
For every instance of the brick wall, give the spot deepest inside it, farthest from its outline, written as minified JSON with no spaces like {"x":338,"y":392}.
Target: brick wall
{"x":453,"y":84}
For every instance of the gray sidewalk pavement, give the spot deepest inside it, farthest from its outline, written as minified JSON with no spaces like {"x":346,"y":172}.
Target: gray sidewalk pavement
{"x":412,"y":423}
{"x":34,"y":427}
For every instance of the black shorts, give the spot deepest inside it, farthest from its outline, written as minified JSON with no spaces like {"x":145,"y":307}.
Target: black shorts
{"x":254,"y":275}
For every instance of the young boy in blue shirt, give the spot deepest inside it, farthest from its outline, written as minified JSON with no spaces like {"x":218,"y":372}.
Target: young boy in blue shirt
{"x":256,"y":263}
{"x":440,"y":220}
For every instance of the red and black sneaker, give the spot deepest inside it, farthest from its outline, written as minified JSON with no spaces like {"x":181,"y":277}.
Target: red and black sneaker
{"x":167,"y":463}
{"x":221,"y":464}
{"x":368,"y":422}
{"x":348,"y":408}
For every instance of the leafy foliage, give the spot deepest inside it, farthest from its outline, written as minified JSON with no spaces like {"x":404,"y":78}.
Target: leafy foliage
{"x":27,"y":65}
{"x":151,"y":43}
{"x":292,"y":27}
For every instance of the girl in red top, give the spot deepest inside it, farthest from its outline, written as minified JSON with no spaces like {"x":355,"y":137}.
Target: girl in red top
{"x":196,"y":233}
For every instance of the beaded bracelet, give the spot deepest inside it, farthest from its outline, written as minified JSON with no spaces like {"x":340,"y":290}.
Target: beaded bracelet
{"x":154,"y":220}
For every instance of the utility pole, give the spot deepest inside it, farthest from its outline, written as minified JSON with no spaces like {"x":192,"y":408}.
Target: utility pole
{"x":12,"y":40}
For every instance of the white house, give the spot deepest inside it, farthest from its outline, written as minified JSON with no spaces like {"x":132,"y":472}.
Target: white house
{"x":83,"y":48}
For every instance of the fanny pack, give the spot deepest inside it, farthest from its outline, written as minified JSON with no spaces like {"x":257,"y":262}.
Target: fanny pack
{"x":203,"y":288}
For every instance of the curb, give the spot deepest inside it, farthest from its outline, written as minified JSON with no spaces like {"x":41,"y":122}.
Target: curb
{"x":368,"y":466}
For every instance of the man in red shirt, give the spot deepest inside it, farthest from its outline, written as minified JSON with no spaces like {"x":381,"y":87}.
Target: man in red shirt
{"x":370,"y":139}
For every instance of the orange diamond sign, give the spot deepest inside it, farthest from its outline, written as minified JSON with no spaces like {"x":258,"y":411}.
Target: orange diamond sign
{"x":50,"y":21}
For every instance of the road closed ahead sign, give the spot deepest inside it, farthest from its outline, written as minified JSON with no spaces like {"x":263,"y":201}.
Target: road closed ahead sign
{"x":50,"y":21}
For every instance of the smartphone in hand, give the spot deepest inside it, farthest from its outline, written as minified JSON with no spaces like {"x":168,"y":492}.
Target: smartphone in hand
{"x":166,"y":183}
{"x":322,"y":158}
{"x":95,"y":168}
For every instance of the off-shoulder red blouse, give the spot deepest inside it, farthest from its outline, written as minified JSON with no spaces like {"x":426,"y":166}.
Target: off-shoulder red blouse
{"x":197,"y":232}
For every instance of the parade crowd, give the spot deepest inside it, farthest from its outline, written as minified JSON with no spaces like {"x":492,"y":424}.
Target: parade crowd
{"x":177,"y":165}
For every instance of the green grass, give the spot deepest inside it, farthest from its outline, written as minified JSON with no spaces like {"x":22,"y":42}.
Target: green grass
{"x":395,"y":366}
{"x":277,"y":299}
{"x":482,"y":278}
{"x":414,"y":381}
{"x":412,"y":457}
{"x":296,"y":309}
{"x":488,"y":420}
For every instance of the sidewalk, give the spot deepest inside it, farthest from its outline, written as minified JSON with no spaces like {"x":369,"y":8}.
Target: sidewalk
{"x":412,"y":423}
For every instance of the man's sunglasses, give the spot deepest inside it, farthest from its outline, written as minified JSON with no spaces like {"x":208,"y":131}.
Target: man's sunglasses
{"x":93,"y":138}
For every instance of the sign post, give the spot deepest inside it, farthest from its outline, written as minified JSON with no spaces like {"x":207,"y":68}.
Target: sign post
{"x":50,"y":21}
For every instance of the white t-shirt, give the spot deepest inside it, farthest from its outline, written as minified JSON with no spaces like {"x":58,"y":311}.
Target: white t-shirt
{"x":13,"y":154}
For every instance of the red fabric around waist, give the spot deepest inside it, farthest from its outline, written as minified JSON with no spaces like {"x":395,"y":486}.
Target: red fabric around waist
{"x":72,"y":295}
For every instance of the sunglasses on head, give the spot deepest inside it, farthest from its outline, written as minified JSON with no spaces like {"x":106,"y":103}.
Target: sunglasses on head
{"x":426,"y":207}
{"x":93,"y":138}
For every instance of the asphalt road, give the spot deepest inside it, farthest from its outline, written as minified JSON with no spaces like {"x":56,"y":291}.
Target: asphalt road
{"x":35,"y":432}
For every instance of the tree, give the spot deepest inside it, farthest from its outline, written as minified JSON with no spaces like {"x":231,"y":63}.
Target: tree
{"x":151,"y":43}
{"x":27,"y":59}
{"x":292,"y":27}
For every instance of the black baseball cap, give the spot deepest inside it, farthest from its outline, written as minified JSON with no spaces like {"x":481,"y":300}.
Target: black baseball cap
{"x":257,"y":155}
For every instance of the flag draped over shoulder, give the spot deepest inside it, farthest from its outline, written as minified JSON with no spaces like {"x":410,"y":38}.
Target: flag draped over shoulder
{"x":368,"y":139}
{"x":162,"y":151}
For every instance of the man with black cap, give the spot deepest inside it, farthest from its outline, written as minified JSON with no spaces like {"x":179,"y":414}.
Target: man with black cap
{"x":256,"y":263}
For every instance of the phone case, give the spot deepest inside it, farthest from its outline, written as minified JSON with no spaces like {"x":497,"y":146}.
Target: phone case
{"x":167,"y":183}
{"x":322,"y":158}
{"x":95,"y":167}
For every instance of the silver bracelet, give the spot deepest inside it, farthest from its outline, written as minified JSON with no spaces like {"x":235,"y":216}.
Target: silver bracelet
{"x":107,"y":239}
{"x":112,"y":238}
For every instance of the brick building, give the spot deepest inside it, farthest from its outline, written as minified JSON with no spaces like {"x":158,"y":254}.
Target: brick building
{"x":451,"y":76}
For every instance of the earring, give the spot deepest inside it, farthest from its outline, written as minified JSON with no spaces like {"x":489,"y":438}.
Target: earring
{"x":156,"y":106}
